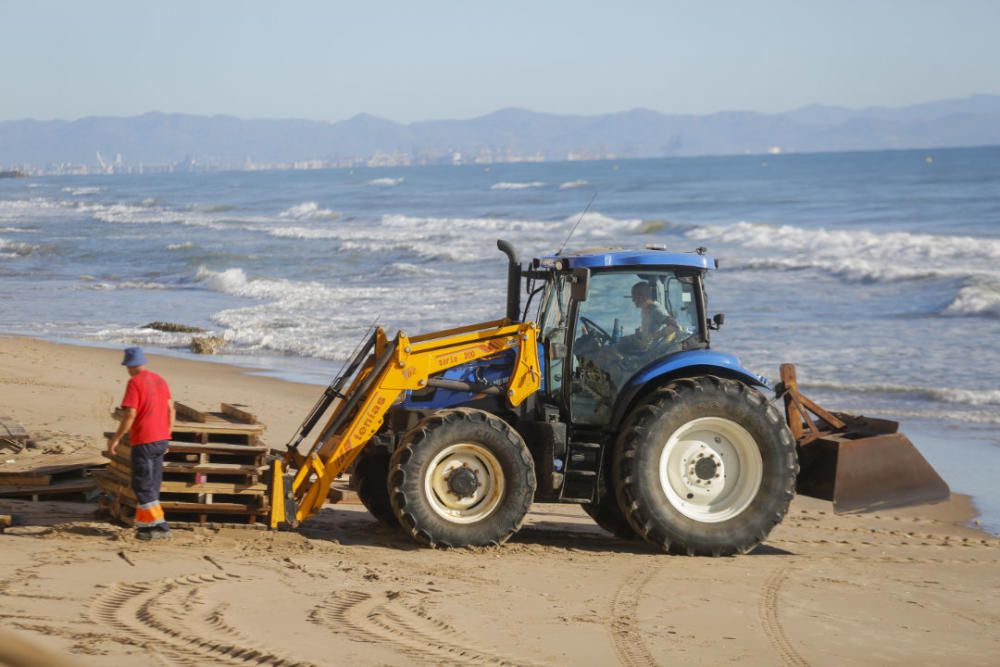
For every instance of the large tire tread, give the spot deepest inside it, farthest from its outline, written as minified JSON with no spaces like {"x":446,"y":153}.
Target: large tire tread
{"x":426,"y":436}
{"x":750,"y":530}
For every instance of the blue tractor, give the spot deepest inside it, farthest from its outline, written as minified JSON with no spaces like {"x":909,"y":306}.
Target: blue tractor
{"x":656,"y":435}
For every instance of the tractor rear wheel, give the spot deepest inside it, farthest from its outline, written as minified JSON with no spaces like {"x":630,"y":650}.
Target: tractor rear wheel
{"x":706,"y":467}
{"x":461,"y":477}
{"x":606,"y":512}
{"x":369,"y":480}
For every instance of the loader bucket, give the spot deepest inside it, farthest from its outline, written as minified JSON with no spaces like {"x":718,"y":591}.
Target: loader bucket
{"x":868,"y":473}
{"x":861,"y":464}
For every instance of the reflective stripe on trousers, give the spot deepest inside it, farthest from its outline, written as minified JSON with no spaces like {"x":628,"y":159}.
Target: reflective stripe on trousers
{"x":149,"y":515}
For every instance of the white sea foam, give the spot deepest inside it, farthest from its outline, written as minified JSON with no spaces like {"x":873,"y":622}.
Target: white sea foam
{"x":508,"y":185}
{"x":186,"y":245}
{"x":126,"y":284}
{"x":385,"y":181}
{"x":973,"y":397}
{"x":406,"y":270}
{"x":858,"y":255}
{"x":16,"y":229}
{"x":312,"y":319}
{"x":304,"y":233}
{"x":980,"y":298}
{"x":80,"y":191}
{"x":309,"y":210}
{"x":572,"y":185}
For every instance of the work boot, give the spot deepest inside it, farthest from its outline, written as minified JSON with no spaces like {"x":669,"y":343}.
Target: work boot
{"x":150,"y":534}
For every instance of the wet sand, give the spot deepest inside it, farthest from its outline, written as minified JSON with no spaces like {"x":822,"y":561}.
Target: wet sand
{"x":907,"y":586}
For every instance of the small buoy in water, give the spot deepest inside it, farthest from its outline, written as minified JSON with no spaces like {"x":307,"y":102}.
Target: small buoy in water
{"x":929,"y":159}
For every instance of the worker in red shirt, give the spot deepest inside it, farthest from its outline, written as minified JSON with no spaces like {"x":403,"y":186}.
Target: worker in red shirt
{"x":148,"y":417}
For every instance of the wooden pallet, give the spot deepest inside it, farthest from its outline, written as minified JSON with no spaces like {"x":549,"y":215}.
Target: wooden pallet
{"x":70,"y":482}
{"x":232,"y":424}
{"x":212,"y":471}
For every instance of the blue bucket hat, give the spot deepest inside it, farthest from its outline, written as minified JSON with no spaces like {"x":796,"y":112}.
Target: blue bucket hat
{"x":134,"y":357}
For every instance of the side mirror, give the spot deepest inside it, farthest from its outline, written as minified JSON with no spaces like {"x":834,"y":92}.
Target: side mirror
{"x":717,"y":321}
{"x":581,"y":284}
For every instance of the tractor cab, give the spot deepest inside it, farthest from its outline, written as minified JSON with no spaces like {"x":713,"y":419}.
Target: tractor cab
{"x":606,"y":314}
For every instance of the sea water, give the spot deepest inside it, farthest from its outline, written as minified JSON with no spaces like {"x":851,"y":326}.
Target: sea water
{"x":878,"y":273}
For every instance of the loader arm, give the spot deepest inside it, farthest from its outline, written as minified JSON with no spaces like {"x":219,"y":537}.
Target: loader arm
{"x":393,"y":367}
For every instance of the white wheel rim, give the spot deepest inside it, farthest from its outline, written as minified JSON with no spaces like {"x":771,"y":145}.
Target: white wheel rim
{"x":711,"y":469}
{"x":489,"y":483}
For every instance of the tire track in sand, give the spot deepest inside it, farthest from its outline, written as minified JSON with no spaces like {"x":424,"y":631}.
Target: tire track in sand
{"x":403,"y":626}
{"x":625,"y":631}
{"x":164,"y":614}
{"x":767,"y":612}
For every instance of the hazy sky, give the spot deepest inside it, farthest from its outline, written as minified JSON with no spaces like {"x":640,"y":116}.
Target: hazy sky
{"x":423,"y":59}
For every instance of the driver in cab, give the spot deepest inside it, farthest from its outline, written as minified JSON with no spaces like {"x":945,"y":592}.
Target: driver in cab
{"x":656,"y":323}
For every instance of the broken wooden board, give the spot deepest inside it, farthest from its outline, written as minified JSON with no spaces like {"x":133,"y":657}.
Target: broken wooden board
{"x":187,"y":413}
{"x":12,"y":435}
{"x":45,"y":475}
{"x":236,"y":411}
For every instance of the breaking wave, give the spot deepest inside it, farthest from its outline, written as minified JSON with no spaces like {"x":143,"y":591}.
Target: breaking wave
{"x":870,"y":257}
{"x":507,"y":185}
{"x":186,"y":245}
{"x":859,"y":254}
{"x":973,"y":397}
{"x":572,"y":185}
{"x":80,"y":191}
{"x":385,"y":181}
{"x":977,"y":299}
{"x":309,"y":210}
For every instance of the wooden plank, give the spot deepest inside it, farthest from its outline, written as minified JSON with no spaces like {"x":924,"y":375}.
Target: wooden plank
{"x":10,"y":430}
{"x":236,"y":412}
{"x":189,"y":413}
{"x":23,"y":479}
{"x":69,"y":486}
{"x":257,"y":489}
{"x":207,"y":468}
{"x":182,"y":506}
{"x":219,"y":426}
{"x":207,"y":448}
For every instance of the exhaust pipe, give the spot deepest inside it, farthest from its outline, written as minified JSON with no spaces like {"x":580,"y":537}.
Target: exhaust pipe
{"x":513,"y":280}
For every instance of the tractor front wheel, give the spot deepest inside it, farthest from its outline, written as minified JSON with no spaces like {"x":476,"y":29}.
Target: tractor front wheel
{"x":369,"y":479}
{"x":461,"y":477}
{"x":706,"y":467}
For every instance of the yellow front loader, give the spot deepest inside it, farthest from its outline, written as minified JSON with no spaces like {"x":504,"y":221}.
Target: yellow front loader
{"x":379,"y":373}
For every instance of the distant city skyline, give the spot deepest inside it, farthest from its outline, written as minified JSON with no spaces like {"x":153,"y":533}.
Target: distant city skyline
{"x":438,"y":60}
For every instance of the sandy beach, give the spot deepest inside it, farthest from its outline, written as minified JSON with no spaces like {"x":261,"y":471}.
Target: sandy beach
{"x":914,"y":586}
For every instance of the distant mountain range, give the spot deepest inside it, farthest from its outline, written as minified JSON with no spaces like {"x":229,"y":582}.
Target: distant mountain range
{"x":505,"y":135}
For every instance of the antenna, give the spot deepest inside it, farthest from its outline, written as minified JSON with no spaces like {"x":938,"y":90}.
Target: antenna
{"x":578,"y":220}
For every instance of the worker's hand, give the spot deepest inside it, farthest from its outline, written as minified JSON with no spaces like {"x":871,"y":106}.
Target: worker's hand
{"x":112,"y":443}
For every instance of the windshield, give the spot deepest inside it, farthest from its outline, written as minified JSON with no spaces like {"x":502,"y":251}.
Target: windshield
{"x":629,"y":320}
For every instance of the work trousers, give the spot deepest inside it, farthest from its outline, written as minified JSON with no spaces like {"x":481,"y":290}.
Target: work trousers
{"x":147,"y":475}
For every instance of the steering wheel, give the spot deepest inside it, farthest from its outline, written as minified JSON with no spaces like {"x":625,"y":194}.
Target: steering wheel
{"x":602,"y":336}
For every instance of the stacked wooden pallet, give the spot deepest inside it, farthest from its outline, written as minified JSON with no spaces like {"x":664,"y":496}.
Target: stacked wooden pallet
{"x":212,"y":473}
{"x":72,"y":481}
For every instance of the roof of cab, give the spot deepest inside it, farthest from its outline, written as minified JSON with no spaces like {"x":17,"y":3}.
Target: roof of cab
{"x":592,"y":258}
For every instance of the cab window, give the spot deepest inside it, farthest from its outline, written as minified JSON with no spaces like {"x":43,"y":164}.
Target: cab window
{"x":629,"y":320}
